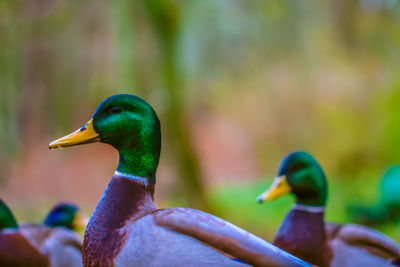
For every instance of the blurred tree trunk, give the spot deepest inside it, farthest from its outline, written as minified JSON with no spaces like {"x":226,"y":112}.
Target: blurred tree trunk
{"x":37,"y":64}
{"x":165,"y":17}
{"x":10,"y":68}
{"x":344,"y":14}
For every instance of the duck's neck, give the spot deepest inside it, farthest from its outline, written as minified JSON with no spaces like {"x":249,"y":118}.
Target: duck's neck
{"x":127,"y":198}
{"x":302,"y":234}
{"x":139,"y":162}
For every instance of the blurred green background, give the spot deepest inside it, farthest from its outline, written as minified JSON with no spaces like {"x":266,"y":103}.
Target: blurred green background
{"x":237,"y":85}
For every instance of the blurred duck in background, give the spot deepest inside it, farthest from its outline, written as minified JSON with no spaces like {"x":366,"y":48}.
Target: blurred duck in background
{"x":15,"y":249}
{"x":126,"y":228}
{"x":387,"y":208}
{"x":66,"y":215}
{"x":56,"y":236}
{"x":53,"y":240}
{"x":304,"y":232}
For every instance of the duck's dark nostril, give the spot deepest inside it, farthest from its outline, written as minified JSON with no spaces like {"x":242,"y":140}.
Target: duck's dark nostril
{"x":82,"y":128}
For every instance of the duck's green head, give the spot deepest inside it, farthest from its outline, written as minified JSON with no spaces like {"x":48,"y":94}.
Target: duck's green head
{"x":130,"y":125}
{"x":65,"y":215}
{"x":299,"y":173}
{"x":7,"y":219}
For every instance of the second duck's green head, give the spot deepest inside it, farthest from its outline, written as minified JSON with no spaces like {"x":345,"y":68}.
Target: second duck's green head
{"x":299,"y":173}
{"x":131,"y":126}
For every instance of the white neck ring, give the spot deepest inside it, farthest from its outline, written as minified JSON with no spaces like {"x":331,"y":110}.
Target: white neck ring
{"x":307,"y":208}
{"x":143,"y":180}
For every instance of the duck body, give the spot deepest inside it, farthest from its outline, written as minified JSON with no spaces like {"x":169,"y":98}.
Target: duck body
{"x":61,"y":246}
{"x":122,"y":234}
{"x":305,"y":234}
{"x":55,"y":237}
{"x":159,"y":246}
{"x":30,"y":244}
{"x":16,"y":250}
{"x":354,"y":244}
{"x":126,"y":228}
{"x":329,"y":244}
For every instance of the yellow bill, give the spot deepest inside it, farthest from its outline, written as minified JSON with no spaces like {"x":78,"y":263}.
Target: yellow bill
{"x":84,"y":135}
{"x":80,"y":222}
{"x":279,"y":187}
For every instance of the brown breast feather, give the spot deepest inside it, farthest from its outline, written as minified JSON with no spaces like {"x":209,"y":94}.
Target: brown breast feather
{"x":124,"y":201}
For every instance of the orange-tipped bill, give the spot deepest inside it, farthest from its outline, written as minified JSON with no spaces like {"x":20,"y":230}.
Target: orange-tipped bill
{"x":84,"y":135}
{"x":279,"y":187}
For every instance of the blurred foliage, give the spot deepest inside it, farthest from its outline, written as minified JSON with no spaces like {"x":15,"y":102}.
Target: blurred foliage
{"x":321,"y":76}
{"x":384,"y":210}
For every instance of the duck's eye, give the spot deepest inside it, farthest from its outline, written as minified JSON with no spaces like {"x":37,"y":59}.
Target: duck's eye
{"x":114,"y":109}
{"x":296,"y":167}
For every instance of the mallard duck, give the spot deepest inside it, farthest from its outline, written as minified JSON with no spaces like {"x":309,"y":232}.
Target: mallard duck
{"x":126,"y":228}
{"x":51,"y":243}
{"x":56,"y":238}
{"x":304,"y":232}
{"x":15,"y":248}
{"x":65,"y":215}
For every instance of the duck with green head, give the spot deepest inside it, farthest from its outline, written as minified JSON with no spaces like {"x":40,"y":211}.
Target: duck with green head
{"x":15,"y":248}
{"x":305,"y":234}
{"x":54,"y":240}
{"x":66,"y":215}
{"x":56,"y":236}
{"x":126,"y":228}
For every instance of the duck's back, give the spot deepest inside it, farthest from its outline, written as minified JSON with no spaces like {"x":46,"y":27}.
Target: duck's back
{"x":356,"y":245}
{"x":148,"y":245}
{"x":346,"y":255}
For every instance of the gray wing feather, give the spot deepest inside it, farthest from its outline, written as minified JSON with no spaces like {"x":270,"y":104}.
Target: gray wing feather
{"x":370,"y":239}
{"x":356,"y":245}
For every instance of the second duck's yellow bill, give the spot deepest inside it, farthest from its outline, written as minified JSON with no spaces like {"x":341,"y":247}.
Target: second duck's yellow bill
{"x":80,"y":222}
{"x":279,"y":187}
{"x":84,"y":135}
